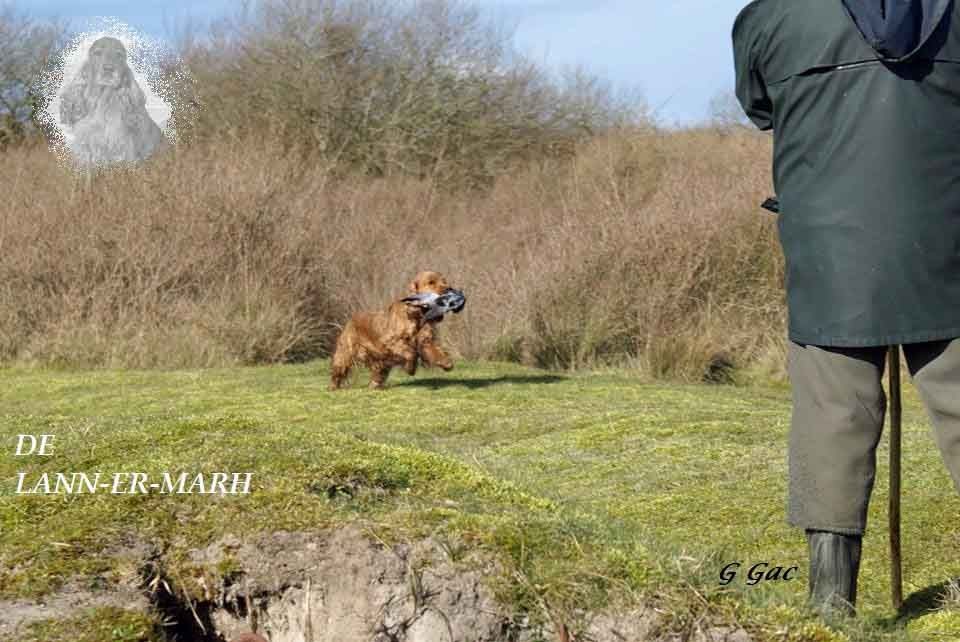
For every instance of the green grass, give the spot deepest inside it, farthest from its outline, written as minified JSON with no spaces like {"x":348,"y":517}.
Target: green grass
{"x":594,"y":489}
{"x":96,"y":625}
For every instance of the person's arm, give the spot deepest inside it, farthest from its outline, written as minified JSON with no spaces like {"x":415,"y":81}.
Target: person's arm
{"x":750,"y":87}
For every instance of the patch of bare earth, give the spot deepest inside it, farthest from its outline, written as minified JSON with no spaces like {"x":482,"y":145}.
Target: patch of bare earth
{"x":342,"y":586}
{"x":79,"y":594}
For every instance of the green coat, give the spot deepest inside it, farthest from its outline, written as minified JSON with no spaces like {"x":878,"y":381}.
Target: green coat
{"x":866,"y":122}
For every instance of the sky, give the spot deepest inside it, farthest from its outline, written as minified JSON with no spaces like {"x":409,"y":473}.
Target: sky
{"x":677,"y":55}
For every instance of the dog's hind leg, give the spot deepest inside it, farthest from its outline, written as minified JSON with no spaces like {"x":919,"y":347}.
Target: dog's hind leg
{"x":340,"y":365}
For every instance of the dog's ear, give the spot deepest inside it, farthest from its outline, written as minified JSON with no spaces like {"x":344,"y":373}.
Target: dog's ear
{"x":414,"y":286}
{"x":73,"y":105}
{"x":134,"y":92}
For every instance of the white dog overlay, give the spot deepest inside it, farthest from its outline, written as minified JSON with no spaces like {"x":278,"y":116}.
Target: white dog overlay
{"x":144,"y":55}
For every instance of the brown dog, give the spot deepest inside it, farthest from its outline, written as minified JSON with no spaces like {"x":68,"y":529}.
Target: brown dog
{"x":397,"y":336}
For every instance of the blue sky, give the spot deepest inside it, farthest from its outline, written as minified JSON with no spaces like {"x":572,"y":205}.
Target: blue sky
{"x":677,"y":54}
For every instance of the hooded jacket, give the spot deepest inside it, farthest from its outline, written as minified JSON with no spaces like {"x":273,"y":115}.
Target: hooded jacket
{"x":863,"y":97}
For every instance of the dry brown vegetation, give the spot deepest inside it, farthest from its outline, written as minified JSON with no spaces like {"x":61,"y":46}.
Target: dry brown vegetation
{"x":319,"y":174}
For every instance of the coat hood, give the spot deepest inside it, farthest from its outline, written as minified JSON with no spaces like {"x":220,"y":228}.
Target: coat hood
{"x":897,"y":28}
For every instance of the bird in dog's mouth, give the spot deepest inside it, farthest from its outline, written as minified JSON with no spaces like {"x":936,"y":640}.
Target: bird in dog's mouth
{"x":436,"y":305}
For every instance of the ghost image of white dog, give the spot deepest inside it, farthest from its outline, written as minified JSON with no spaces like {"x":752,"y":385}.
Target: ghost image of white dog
{"x":105,"y":109}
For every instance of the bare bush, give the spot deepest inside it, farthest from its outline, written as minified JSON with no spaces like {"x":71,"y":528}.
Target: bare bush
{"x":429,"y":87}
{"x":656,"y":255}
{"x":198,"y":259}
{"x":646,"y":248}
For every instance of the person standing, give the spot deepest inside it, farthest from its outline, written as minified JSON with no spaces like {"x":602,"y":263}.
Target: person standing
{"x":863,"y":98}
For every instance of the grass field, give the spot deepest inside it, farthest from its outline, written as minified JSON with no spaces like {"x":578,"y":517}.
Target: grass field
{"x":596,"y":489}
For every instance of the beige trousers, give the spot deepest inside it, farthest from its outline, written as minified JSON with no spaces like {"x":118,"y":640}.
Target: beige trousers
{"x":838,"y":413}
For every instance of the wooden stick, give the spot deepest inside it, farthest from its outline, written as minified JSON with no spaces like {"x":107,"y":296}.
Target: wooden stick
{"x":896,"y":564}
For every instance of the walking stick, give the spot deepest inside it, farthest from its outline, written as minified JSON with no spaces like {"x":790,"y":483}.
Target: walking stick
{"x":896,"y":565}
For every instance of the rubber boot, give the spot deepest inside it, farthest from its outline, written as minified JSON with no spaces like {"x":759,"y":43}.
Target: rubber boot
{"x":834,"y":565}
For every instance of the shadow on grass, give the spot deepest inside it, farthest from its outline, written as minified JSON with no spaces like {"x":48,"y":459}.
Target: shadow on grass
{"x":926,"y":601}
{"x":435,"y":383}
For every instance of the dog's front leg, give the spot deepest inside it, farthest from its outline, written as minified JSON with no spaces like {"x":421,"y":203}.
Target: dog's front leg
{"x":378,"y":375}
{"x":436,"y":357}
{"x":410,"y":362}
{"x":430,"y":351}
